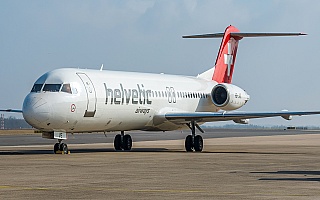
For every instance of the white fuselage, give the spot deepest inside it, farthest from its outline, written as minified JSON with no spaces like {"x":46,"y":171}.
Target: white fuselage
{"x":83,"y":100}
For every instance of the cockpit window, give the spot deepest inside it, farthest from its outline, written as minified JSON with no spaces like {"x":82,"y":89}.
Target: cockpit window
{"x":66,"y":88}
{"x":36,"y":88}
{"x":52,"y":87}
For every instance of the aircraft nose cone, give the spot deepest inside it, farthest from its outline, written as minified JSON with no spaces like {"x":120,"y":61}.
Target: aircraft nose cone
{"x":36,"y":110}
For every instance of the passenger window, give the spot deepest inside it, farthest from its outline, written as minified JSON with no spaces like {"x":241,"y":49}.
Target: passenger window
{"x":36,"y":88}
{"x":52,"y":87}
{"x":66,"y":88}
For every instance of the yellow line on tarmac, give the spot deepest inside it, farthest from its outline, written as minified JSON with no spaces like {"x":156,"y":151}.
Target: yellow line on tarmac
{"x":22,"y":187}
{"x":36,"y":188}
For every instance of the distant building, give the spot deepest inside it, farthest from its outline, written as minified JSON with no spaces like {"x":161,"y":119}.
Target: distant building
{"x":297,"y":128}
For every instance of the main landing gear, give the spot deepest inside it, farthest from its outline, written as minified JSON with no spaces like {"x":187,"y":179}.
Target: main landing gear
{"x":194,"y":142}
{"x":60,"y":148}
{"x":122,"y":142}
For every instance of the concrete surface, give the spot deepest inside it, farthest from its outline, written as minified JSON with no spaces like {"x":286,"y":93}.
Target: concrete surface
{"x":251,"y":167}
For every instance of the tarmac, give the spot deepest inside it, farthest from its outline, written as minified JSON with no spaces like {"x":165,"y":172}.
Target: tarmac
{"x":235,"y":164}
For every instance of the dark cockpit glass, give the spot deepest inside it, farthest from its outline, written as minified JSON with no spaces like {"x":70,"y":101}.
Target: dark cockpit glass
{"x":51,"y":87}
{"x":36,"y":88}
{"x":66,"y":88}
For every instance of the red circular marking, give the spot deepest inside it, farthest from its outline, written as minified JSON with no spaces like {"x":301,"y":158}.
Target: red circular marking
{"x":73,"y":107}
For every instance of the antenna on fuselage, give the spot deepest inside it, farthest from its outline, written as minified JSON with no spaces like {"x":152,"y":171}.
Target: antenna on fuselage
{"x":101,"y":68}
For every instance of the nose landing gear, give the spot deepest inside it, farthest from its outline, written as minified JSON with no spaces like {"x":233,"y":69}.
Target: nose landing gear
{"x":60,"y":148}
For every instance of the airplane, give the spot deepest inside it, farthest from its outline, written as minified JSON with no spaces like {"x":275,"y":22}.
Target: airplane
{"x":70,"y":100}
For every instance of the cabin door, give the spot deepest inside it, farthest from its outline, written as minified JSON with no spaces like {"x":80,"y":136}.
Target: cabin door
{"x":91,"y":95}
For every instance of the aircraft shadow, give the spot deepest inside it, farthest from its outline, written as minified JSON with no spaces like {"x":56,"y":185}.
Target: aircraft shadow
{"x":28,"y":152}
{"x":304,"y":173}
{"x":249,"y":152}
{"x":106,"y":150}
{"x":112,"y":150}
{"x":83,"y":150}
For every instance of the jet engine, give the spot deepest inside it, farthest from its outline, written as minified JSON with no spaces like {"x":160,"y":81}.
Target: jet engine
{"x":228,"y":97}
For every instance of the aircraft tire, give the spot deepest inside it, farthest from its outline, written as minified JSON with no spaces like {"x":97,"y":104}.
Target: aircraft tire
{"x":117,"y":143}
{"x":56,"y":147}
{"x":127,"y":142}
{"x":198,"y":143}
{"x":188,"y":143}
{"x":64,"y":148}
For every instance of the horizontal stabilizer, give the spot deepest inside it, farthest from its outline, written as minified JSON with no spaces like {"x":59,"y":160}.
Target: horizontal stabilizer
{"x":242,"y":35}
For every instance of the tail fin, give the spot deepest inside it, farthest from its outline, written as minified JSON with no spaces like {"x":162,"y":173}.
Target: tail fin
{"x":223,"y":69}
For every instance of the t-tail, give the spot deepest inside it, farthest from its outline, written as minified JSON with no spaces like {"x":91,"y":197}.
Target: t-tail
{"x":223,"y":69}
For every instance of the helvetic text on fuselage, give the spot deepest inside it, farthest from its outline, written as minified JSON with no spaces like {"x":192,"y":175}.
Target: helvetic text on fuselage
{"x":125,"y":96}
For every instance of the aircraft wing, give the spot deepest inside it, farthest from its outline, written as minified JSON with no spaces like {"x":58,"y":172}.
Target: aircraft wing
{"x":11,"y":110}
{"x":185,"y":117}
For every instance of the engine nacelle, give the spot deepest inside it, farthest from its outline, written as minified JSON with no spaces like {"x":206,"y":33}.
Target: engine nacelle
{"x":241,"y":121}
{"x":228,"y":97}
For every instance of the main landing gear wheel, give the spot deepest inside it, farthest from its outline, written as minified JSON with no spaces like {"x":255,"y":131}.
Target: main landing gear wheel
{"x":198,"y":143}
{"x":195,"y":145}
{"x":117,"y":142}
{"x":122,"y":142}
{"x":194,"y":142}
{"x":188,"y":143}
{"x":127,"y":142}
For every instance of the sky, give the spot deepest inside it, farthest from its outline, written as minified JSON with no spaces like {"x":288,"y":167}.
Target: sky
{"x":145,"y":36}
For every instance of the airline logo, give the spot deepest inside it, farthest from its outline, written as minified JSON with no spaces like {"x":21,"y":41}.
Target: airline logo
{"x":127,"y":96}
{"x":228,"y":59}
